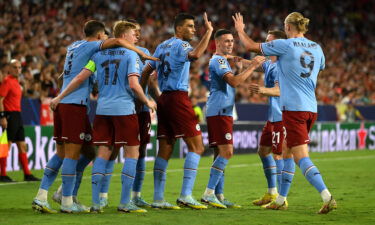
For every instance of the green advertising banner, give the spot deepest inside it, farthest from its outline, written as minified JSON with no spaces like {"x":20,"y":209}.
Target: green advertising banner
{"x":325,"y":137}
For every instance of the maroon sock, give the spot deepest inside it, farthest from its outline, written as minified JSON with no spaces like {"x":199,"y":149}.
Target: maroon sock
{"x":3,"y":166}
{"x":24,"y":162}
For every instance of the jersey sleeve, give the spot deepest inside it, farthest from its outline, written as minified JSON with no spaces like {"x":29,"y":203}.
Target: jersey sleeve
{"x":93,"y":46}
{"x":91,"y":66}
{"x":276,"y":47}
{"x":183,"y":50}
{"x":133,"y":65}
{"x":221,"y":66}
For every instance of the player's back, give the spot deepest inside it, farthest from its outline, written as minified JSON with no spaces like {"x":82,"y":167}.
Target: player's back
{"x":77,"y":56}
{"x":113,"y":67}
{"x":299,"y":69}
{"x":173,"y":67}
{"x":270,"y":78}
{"x":221,"y":99}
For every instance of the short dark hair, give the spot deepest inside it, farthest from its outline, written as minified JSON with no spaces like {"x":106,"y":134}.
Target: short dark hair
{"x":180,"y":19}
{"x":92,"y":27}
{"x":221,"y":32}
{"x":279,"y":34}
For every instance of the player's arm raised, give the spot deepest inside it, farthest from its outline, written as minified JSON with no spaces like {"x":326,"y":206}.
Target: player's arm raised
{"x":74,"y":84}
{"x":274,"y":91}
{"x":115,"y":42}
{"x":202,"y":46}
{"x":234,"y":81}
{"x":245,"y":39}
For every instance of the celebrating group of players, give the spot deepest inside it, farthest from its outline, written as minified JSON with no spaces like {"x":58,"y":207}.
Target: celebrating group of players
{"x":123,"y":119}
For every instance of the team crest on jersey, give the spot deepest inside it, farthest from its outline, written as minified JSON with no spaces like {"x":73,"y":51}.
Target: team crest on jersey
{"x":88,"y":137}
{"x":222,"y":63}
{"x":186,"y":45}
{"x":198,"y":127}
{"x":82,"y":136}
{"x":228,"y":136}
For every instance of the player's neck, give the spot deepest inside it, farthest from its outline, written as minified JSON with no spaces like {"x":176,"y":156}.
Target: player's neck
{"x":296,"y":35}
{"x":180,"y":37}
{"x":91,"y":39}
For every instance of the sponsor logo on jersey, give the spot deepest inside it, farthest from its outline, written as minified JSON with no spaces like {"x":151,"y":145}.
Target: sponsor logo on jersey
{"x":198,"y":127}
{"x":228,"y":136}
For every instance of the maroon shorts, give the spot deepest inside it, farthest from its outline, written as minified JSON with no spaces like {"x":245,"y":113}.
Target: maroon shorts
{"x":273,"y":134}
{"x":116,"y":130}
{"x":220,"y":130}
{"x":71,"y":124}
{"x":176,"y":117}
{"x":144,"y":123}
{"x":298,"y":126}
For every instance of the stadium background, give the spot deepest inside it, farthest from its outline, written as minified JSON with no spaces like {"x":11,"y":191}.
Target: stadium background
{"x":37,"y":32}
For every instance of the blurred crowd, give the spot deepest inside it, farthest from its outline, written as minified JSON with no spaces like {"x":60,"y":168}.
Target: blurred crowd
{"x":36,"y":32}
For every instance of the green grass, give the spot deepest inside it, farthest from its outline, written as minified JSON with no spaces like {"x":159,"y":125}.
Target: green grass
{"x":349,"y":176}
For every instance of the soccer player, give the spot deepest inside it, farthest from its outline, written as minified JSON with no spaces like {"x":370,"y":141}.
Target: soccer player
{"x":299,"y":63}
{"x":273,"y":135}
{"x":71,"y":124}
{"x":219,"y":113}
{"x":10,"y":119}
{"x":176,"y":118}
{"x":116,"y":122}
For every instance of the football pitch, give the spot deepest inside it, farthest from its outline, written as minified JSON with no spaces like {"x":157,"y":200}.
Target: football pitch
{"x":350,"y":176}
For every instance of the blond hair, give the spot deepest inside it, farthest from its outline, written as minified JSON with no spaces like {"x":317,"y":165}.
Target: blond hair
{"x":297,"y":19}
{"x":120,"y":27}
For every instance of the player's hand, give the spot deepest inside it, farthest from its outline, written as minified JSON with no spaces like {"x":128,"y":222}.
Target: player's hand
{"x":4,"y":123}
{"x":207,"y":23}
{"x":54,"y":102}
{"x":257,"y":61}
{"x":151,"y":105}
{"x":144,"y":56}
{"x":238,"y":22}
{"x":254,"y":88}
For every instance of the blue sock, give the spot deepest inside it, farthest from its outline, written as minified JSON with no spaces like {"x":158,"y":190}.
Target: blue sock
{"x":98,"y":171}
{"x":269,"y":167}
{"x":190,"y":172}
{"x":312,"y":174}
{"x":68,"y":175}
{"x":107,"y":178}
{"x":287,"y":175}
{"x":140,"y":175}
{"x":216,"y":172}
{"x":279,"y":168}
{"x":160,"y":177}
{"x":81,"y":165}
{"x":220,"y":186}
{"x":127,"y":179}
{"x":51,"y":171}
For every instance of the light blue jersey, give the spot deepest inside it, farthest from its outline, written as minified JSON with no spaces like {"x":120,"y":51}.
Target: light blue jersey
{"x":221,"y":99}
{"x":142,"y":65}
{"x":299,"y":62}
{"x":270,"y":77}
{"x":77,"y":56}
{"x":113,"y":67}
{"x":173,"y":67}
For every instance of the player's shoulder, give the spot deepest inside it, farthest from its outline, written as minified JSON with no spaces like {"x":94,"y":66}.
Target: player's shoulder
{"x":145,"y":50}
{"x":218,"y":59}
{"x":179,"y":43}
